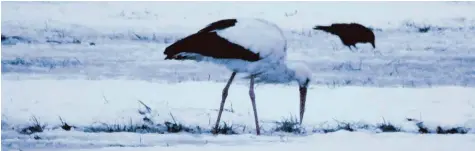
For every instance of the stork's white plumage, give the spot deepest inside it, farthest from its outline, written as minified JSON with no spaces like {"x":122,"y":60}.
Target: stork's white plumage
{"x":252,"y":46}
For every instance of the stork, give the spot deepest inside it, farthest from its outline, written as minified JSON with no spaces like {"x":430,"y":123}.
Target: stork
{"x":252,"y":46}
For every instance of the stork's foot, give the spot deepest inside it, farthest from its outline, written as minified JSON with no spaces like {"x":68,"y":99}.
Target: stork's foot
{"x":214,"y":131}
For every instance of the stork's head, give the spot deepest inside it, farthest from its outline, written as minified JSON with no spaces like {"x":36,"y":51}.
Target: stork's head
{"x":302,"y":75}
{"x":185,"y":44}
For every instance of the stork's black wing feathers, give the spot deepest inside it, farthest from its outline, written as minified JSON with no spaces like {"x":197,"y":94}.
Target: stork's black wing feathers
{"x":209,"y":44}
{"x":219,"y":25}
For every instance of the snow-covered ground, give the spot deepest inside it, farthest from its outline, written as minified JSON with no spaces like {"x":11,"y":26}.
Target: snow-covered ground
{"x":341,"y":140}
{"x":84,"y":102}
{"x":91,"y":63}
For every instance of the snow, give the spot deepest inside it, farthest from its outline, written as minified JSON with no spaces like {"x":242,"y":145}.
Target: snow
{"x":116,"y":101}
{"x":92,"y":67}
{"x":84,"y":103}
{"x":358,"y":141}
{"x":132,"y":36}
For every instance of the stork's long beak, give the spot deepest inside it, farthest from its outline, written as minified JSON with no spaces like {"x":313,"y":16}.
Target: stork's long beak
{"x":303,"y":98}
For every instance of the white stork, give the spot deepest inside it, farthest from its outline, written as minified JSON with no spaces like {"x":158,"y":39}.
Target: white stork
{"x":252,"y":46}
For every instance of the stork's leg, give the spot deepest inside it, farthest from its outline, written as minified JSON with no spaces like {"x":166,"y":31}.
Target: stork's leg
{"x":225,"y":94}
{"x":253,"y":101}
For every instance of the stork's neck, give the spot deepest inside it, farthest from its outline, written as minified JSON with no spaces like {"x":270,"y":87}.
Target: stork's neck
{"x":283,"y":73}
{"x":300,"y":73}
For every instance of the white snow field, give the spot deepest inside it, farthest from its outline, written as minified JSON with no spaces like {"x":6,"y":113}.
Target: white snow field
{"x":92,"y":65}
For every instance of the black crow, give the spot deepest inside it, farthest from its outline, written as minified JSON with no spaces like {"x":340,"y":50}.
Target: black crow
{"x":350,"y":34}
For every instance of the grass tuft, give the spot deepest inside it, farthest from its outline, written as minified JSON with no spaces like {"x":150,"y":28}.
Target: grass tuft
{"x":289,"y":125}
{"x":455,"y":130}
{"x":36,"y":137}
{"x":224,"y":129}
{"x":388,"y":127}
{"x":175,"y":127}
{"x":43,"y":62}
{"x":35,"y":127}
{"x":136,"y":128}
{"x":422,"y":128}
{"x":65,"y":126}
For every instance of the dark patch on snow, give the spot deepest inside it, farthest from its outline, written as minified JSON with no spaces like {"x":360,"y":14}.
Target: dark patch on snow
{"x":42,"y":62}
{"x":454,"y":130}
{"x":36,"y":137}
{"x":12,"y":40}
{"x":424,"y":28}
{"x":53,"y":41}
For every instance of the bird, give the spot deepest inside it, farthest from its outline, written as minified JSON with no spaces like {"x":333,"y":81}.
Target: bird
{"x":251,"y":46}
{"x":350,"y":33}
{"x":4,"y":37}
